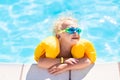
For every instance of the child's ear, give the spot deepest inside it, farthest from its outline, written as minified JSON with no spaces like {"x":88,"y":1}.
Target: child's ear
{"x":58,"y":36}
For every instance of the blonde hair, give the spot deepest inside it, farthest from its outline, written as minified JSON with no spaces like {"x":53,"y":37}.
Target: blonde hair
{"x":58,"y":23}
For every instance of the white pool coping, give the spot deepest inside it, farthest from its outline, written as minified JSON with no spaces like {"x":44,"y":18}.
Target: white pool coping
{"x":105,"y":71}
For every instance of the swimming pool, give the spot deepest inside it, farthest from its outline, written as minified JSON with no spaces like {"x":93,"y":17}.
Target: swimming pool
{"x":24,"y":23}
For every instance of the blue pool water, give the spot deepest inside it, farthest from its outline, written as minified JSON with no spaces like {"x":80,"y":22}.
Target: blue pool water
{"x":24,"y":23}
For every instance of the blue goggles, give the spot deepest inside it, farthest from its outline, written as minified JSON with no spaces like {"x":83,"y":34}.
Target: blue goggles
{"x":71,"y":30}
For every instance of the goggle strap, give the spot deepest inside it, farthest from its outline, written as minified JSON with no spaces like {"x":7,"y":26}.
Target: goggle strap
{"x":61,"y":31}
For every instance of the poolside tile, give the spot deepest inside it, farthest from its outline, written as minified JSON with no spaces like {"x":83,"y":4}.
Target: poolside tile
{"x":106,"y":71}
{"x":32,"y":72}
{"x":10,"y":71}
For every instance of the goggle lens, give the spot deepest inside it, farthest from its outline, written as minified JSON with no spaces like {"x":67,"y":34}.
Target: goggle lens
{"x":72,"y":30}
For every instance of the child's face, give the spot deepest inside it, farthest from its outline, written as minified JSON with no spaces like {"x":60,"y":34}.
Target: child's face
{"x":69,"y":38}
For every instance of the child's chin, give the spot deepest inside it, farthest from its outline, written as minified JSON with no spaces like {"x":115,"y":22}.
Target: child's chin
{"x":74,"y":42}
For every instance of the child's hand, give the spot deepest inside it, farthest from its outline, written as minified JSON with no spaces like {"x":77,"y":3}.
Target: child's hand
{"x":57,"y":68}
{"x":71,"y":61}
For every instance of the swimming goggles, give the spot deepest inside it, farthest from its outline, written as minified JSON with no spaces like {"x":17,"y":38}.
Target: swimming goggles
{"x":71,"y":30}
